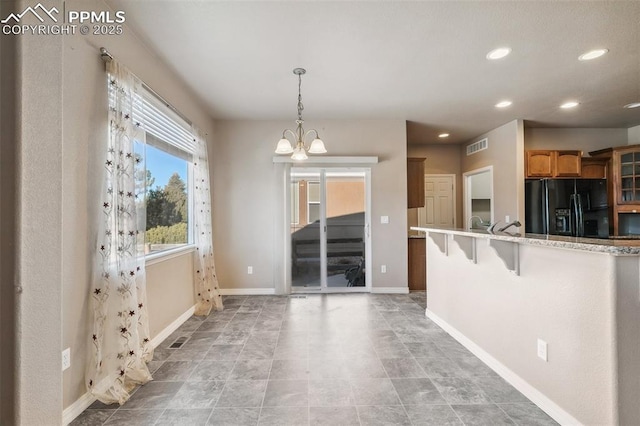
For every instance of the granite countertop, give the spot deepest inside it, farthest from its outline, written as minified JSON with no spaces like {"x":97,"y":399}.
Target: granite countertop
{"x":627,"y":246}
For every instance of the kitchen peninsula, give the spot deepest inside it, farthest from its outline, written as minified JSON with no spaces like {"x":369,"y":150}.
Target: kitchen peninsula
{"x":515,"y":300}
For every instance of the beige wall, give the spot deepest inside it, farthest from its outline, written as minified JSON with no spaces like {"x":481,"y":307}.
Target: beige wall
{"x":440,"y":159}
{"x":169,"y":285}
{"x":585,"y":140}
{"x":37,"y":285}
{"x":9,"y":209}
{"x":170,"y":291}
{"x":573,"y":309}
{"x":506,"y":154}
{"x":249,"y":230}
{"x":633,"y":135}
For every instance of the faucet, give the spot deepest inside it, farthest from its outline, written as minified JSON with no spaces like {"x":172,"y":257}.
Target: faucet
{"x":471,"y":221}
{"x":515,"y":223}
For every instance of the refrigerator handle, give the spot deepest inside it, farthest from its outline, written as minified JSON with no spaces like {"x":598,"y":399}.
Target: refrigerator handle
{"x":545,"y":208}
{"x":580,"y":216}
{"x":573,"y":215}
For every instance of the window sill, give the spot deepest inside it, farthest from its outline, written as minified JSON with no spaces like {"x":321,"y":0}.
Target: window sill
{"x":152,"y":259}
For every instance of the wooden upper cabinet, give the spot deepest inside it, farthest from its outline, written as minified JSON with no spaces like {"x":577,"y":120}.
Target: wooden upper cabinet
{"x":547,"y":163}
{"x":415,"y":182}
{"x":594,"y":168}
{"x":623,"y":186}
{"x":540,"y":164}
{"x":568,"y":163}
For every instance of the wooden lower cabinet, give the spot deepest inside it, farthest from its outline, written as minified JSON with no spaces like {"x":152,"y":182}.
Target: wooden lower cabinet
{"x":417,"y":264}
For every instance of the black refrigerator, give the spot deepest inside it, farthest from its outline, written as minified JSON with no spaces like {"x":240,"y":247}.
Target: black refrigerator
{"x":575,"y":207}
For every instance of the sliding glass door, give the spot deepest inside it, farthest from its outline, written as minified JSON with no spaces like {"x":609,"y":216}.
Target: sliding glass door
{"x":329,"y":229}
{"x":306,"y":232}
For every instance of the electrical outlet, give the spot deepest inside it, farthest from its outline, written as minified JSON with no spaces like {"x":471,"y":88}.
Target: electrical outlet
{"x":384,"y":219}
{"x":507,"y":218}
{"x":383,"y":269}
{"x":542,"y":350}
{"x":249,"y":270}
{"x":66,"y":359}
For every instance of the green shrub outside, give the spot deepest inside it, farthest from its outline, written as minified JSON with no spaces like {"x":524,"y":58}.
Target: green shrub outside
{"x":174,"y":234}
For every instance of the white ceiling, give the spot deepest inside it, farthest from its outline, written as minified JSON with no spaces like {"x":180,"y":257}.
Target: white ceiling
{"x":423,"y":62}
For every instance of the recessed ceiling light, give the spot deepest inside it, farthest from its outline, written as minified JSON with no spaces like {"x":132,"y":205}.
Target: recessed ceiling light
{"x":633,"y":105}
{"x":592,"y":54}
{"x":498,"y":53}
{"x":570,"y":104}
{"x":443,"y":135}
{"x":503,"y":104}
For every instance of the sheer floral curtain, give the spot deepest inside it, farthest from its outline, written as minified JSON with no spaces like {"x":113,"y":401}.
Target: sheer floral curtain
{"x":206,"y":282}
{"x":120,"y":344}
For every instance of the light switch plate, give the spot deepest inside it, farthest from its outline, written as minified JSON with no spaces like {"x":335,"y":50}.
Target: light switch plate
{"x":542,"y":350}
{"x":66,"y":359}
{"x":384,"y":219}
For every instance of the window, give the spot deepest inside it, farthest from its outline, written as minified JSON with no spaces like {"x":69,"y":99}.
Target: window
{"x":313,"y":202}
{"x":168,"y":153}
{"x":295,"y":203}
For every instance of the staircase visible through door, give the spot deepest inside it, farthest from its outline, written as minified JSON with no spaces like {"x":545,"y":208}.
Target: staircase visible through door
{"x":329,"y":229}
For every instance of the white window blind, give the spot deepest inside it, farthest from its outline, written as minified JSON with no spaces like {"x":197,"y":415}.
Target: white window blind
{"x":159,"y":120}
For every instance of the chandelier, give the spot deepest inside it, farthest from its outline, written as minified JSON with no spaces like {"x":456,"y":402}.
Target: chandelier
{"x":300,"y":150}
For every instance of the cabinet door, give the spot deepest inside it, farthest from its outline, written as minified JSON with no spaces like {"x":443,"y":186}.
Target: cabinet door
{"x":417,"y":264}
{"x":627,"y":176}
{"x":415,"y":182}
{"x":540,"y":164}
{"x":593,"y":168}
{"x":568,"y":163}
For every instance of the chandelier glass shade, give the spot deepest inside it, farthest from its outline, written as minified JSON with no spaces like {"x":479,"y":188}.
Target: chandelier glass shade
{"x":299,"y":150}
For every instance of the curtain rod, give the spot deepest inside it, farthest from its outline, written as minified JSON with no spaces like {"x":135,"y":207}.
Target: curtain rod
{"x":107,"y":57}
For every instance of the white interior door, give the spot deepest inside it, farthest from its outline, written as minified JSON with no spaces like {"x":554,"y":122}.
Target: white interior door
{"x":439,"y":209}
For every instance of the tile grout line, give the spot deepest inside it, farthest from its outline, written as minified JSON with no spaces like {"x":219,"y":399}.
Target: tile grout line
{"x":110,"y":415}
{"x":234,"y":363}
{"x":264,"y":395}
{"x":392,"y":384}
{"x":225,"y":382}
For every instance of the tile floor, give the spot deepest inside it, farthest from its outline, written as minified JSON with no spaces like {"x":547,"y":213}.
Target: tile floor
{"x":340,"y":359}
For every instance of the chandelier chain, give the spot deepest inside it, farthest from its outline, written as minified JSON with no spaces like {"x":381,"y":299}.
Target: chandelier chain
{"x":300,"y":106}
{"x":299,"y":135}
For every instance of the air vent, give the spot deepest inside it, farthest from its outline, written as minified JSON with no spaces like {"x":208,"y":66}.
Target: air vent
{"x":179,"y":342}
{"x":481,"y":145}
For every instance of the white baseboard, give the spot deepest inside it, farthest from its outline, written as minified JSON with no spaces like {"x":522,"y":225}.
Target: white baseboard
{"x":159,"y":338}
{"x":537,"y":397}
{"x":390,"y":290}
{"x":74,"y":410}
{"x":247,"y":291}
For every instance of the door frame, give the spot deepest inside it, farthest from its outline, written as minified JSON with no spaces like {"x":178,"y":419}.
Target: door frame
{"x":466,"y":200}
{"x":323,"y":262}
{"x":454,"y":195}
